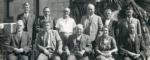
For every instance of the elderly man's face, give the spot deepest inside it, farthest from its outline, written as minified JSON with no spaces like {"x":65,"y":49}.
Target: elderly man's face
{"x":108,"y":14}
{"x":26,"y":7}
{"x":90,"y":10}
{"x":79,"y":31}
{"x":129,"y":12}
{"x":20,"y":26}
{"x":66,"y":12}
{"x":46,"y":11}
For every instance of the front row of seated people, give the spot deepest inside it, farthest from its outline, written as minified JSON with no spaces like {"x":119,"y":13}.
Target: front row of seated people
{"x":78,"y":47}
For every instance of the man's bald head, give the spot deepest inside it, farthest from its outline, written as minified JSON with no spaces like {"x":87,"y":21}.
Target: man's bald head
{"x":66,"y":11}
{"x":90,"y":9}
{"x":91,"y":6}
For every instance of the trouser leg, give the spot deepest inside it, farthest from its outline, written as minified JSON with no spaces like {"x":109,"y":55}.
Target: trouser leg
{"x":127,"y":58}
{"x":24,"y":57}
{"x":148,"y":57}
{"x":84,"y":58}
{"x":100,"y":57}
{"x":71,"y":57}
{"x":12,"y":57}
{"x":42,"y":57}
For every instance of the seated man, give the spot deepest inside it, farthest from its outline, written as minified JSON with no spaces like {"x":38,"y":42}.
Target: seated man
{"x":49,"y":43}
{"x":79,"y":45}
{"x":105,"y":46}
{"x":131,"y":45}
{"x":19,"y":43}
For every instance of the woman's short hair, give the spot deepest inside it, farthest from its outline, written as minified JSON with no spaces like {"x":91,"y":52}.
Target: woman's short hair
{"x":80,"y":26}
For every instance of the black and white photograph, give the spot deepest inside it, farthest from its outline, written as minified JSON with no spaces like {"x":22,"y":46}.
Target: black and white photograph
{"x":74,"y":29}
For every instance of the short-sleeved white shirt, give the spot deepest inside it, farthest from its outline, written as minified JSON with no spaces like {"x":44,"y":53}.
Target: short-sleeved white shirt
{"x":65,"y":25}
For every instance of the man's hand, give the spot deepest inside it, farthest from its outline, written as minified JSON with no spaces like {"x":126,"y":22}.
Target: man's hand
{"x":106,"y":55}
{"x":59,"y":51}
{"x":21,"y":50}
{"x":18,"y":50}
{"x":136,"y":55}
{"x":80,"y":53}
{"x":46,"y":52}
{"x":98,"y":51}
{"x":67,"y":51}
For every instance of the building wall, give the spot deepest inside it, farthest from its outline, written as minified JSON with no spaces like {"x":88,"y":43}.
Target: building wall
{"x":1,"y":10}
{"x":16,"y":7}
{"x":56,"y":7}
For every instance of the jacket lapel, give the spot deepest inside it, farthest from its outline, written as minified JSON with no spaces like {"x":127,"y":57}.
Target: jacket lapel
{"x":23,"y":38}
{"x":137,"y":42}
{"x":16,"y":39}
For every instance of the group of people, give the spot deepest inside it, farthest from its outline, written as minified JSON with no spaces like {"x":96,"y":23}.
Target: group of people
{"x":94,"y":38}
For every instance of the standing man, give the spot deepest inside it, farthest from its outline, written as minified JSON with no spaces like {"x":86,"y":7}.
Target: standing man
{"x":49,"y":43}
{"x":28,"y":19}
{"x":92,"y":23}
{"x":19,"y":43}
{"x":65,"y":25}
{"x":110,"y":23}
{"x":124,"y":23}
{"x":46,"y":17}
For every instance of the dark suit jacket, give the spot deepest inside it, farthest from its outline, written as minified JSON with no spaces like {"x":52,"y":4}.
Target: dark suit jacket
{"x":135,"y":47}
{"x":123,"y":26}
{"x":28,"y":22}
{"x":113,"y":26}
{"x":39,"y":22}
{"x":14,"y":42}
{"x":85,"y":43}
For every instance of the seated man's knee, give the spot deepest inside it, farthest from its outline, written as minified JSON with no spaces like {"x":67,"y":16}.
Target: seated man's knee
{"x":127,"y":58}
{"x":12,"y":57}
{"x":42,"y":57}
{"x":25,"y":57}
{"x":56,"y":58}
{"x":100,"y":57}
{"x":85,"y":58}
{"x":71,"y":57}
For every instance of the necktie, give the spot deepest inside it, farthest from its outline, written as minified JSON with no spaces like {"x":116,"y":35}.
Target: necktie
{"x":19,"y":35}
{"x":19,"y":39}
{"x":48,"y":40}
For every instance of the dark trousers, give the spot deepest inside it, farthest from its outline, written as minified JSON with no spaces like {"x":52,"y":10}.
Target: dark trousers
{"x":130,"y":58}
{"x":75,"y":57}
{"x":44,"y":57}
